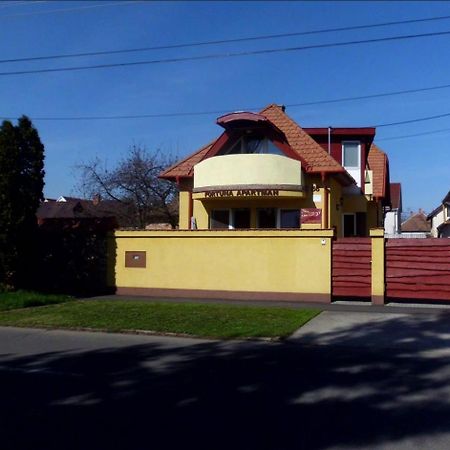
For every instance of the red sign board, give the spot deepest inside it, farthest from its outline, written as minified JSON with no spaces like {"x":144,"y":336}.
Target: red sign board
{"x":311,"y":215}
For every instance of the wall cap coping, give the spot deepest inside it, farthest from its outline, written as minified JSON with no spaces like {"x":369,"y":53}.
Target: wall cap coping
{"x":377,"y":232}
{"x":287,"y":233}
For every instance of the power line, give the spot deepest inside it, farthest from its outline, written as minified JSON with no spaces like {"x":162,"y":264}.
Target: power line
{"x":63,"y":10}
{"x":227,"y":55}
{"x":404,"y":122}
{"x":223,"y":111}
{"x":21,"y":3}
{"x":365,"y":97}
{"x":405,"y":136}
{"x":221,"y":41}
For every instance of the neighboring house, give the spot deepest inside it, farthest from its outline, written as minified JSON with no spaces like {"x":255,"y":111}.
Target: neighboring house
{"x":392,"y":218}
{"x":69,"y":212}
{"x":266,"y":172}
{"x":416,"y":226}
{"x":110,"y":213}
{"x":439,"y":219}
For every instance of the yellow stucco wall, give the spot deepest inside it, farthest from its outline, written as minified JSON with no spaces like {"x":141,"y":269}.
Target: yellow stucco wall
{"x":184,"y":219}
{"x":254,"y":261}
{"x":313,"y":197}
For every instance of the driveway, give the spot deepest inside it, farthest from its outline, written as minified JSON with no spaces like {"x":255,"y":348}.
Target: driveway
{"x":341,"y":383}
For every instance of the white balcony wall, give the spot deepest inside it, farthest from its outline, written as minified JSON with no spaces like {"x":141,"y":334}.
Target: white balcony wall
{"x":248,"y":170}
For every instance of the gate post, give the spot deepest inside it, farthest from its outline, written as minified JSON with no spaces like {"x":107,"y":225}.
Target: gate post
{"x":378,"y":255}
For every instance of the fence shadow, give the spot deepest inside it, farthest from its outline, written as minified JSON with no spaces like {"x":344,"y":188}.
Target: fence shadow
{"x":222,"y":395}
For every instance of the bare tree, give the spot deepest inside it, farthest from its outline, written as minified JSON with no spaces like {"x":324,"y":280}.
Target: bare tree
{"x":134,"y":183}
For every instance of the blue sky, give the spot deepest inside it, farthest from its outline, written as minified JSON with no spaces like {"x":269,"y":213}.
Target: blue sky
{"x":421,"y":163}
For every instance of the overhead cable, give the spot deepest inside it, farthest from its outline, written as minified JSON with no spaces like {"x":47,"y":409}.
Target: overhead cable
{"x":221,"y":41}
{"x":227,"y":54}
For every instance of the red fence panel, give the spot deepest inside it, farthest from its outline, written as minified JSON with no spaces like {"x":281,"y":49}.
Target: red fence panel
{"x":351,"y":267}
{"x":418,"y":269}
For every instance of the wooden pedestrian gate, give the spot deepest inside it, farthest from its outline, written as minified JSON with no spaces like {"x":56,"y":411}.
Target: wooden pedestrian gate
{"x":418,"y":269}
{"x":351,"y":268}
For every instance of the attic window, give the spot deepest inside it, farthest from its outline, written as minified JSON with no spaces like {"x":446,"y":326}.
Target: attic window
{"x":253,"y":145}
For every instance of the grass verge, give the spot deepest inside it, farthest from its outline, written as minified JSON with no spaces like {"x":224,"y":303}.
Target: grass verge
{"x":203,"y":320}
{"x":27,"y":299}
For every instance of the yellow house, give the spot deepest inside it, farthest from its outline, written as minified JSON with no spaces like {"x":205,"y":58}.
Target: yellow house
{"x":260,"y":207}
{"x":266,"y":172}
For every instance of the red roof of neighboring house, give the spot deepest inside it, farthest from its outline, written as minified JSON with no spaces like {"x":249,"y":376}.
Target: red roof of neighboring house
{"x":378,"y":163}
{"x":416,"y":223}
{"x":396,"y":195}
{"x":314,"y":158}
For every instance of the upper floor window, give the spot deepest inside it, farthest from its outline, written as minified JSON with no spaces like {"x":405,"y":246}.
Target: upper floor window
{"x":351,"y":154}
{"x":253,"y":145}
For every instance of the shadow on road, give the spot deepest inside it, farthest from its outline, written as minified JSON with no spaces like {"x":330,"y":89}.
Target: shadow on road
{"x":222,"y":395}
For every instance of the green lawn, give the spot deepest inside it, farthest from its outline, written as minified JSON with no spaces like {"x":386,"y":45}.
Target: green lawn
{"x":26,"y":299}
{"x":205,"y":320}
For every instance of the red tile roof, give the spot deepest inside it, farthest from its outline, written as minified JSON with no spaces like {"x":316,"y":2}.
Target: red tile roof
{"x":378,"y":163}
{"x":396,"y":195}
{"x":416,"y":223}
{"x":315,"y":159}
{"x":185,"y":167}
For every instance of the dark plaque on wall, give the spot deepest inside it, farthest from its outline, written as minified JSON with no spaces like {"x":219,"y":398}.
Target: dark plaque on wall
{"x":311,"y":215}
{"x":135,"y":259}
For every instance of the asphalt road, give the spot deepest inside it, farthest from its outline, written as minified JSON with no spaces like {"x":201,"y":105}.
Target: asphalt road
{"x":70,"y":390}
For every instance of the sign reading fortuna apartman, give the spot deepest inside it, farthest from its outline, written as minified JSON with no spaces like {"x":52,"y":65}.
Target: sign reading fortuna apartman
{"x":243,"y":193}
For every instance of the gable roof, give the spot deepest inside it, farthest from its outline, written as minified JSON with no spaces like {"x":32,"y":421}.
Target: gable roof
{"x":416,"y":223}
{"x":396,"y":195}
{"x":314,"y":158}
{"x":378,"y":162}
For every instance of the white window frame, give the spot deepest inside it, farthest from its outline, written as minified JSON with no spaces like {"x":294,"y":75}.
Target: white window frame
{"x":344,"y":143}
{"x":354,"y":223}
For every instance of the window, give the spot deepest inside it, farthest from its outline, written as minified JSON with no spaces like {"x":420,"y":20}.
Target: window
{"x":229,"y":218}
{"x":219,"y":219}
{"x":267,"y":218}
{"x":351,"y":154}
{"x":289,"y":218}
{"x":253,"y":145}
{"x":241,"y":218}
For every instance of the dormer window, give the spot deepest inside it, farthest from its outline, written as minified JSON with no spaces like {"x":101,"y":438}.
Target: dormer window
{"x":253,"y":145}
{"x":351,"y":155}
{"x":351,"y":159}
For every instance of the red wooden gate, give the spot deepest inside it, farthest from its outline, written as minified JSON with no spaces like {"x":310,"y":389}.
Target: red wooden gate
{"x":418,"y":269}
{"x":351,"y":268}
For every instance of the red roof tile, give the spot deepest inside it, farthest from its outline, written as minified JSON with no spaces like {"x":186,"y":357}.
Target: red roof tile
{"x":184,"y":168}
{"x":416,"y":223}
{"x":378,"y":163}
{"x":396,"y":195}
{"x":314,"y":157}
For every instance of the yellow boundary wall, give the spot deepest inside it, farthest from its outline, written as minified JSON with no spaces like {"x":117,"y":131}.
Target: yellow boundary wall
{"x":278,"y":265}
